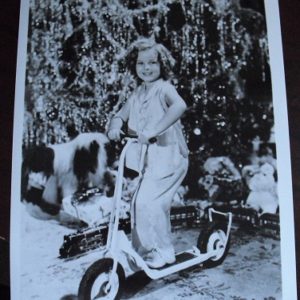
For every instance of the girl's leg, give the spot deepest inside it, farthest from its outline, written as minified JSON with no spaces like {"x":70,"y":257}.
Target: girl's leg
{"x":152,"y":228}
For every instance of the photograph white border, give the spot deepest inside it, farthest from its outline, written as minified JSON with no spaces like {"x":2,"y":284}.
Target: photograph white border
{"x":288,"y":261}
{"x":15,"y":206}
{"x":285,"y":188}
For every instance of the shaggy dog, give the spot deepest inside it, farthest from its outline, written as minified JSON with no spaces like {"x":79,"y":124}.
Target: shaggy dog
{"x":53,"y":172}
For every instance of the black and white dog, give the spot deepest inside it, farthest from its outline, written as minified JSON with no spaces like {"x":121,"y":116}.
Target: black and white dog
{"x":53,"y":172}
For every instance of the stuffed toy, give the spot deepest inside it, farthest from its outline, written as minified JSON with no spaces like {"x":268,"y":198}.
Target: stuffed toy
{"x":222,"y":180}
{"x":263,"y":189}
{"x":94,"y":208}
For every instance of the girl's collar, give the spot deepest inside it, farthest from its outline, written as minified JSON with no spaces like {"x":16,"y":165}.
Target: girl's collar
{"x":148,"y":86}
{"x":146,"y":90}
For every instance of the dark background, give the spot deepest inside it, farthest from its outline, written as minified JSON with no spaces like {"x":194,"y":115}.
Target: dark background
{"x":9,"y":18}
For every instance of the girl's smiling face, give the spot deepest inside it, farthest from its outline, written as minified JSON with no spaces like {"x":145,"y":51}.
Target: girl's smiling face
{"x":148,"y":65}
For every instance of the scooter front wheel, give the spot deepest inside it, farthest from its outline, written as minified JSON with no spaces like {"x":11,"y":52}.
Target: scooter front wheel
{"x":94,"y":283}
{"x":213,"y":239}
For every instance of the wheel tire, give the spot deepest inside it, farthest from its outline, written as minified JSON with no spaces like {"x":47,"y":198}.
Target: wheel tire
{"x":97,"y":274}
{"x":210,"y":239}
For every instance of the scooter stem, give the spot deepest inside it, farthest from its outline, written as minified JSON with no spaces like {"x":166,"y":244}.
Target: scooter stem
{"x":115,"y":213}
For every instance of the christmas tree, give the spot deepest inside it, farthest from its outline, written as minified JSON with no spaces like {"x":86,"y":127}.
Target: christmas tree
{"x":76,"y":80}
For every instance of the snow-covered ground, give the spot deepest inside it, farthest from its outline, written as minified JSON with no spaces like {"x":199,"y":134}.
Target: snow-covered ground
{"x":250,"y":271}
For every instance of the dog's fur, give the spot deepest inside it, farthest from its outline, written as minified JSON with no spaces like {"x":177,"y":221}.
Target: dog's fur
{"x":65,"y":169}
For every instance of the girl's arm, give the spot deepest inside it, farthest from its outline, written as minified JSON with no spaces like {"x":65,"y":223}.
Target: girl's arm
{"x":116,"y":122}
{"x":176,"y":108}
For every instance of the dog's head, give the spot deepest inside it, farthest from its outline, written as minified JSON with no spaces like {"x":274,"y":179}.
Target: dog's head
{"x":37,"y":164}
{"x":85,"y":162}
{"x":39,"y":159}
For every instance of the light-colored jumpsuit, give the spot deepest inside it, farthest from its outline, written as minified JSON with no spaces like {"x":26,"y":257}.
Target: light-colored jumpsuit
{"x":165,"y":165}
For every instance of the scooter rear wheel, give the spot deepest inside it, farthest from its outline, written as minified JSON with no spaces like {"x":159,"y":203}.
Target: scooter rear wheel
{"x":94,"y":283}
{"x":213,"y":238}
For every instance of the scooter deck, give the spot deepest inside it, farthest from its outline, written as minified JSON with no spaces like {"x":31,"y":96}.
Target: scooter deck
{"x":180,"y":258}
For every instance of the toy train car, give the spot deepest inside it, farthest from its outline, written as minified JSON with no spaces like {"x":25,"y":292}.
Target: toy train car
{"x":266,"y":223}
{"x":88,"y":239}
{"x":245,"y":216}
{"x":83,"y":240}
{"x":183,"y":215}
{"x":270,"y":224}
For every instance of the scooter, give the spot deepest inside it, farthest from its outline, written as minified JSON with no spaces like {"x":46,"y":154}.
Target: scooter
{"x":105,"y":278}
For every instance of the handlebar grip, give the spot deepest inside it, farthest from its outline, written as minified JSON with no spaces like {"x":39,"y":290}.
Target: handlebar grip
{"x":152,"y":140}
{"x":133,"y":136}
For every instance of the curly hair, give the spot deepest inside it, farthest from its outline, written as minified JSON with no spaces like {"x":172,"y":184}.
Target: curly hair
{"x":167,"y":62}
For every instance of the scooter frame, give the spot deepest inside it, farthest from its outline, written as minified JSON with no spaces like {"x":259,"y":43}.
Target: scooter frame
{"x":119,"y":245}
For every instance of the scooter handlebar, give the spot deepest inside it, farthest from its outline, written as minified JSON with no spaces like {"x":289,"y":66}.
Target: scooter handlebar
{"x":153,"y":140}
{"x":132,"y":136}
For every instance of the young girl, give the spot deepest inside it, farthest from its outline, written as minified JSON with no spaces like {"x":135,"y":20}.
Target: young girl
{"x":153,"y":110}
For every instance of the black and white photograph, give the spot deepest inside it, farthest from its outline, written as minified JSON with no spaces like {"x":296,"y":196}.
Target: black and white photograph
{"x":151,"y":152}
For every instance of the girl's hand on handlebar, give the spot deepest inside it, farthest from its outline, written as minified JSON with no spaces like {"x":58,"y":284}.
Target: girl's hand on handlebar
{"x":147,"y":137}
{"x":115,"y":134}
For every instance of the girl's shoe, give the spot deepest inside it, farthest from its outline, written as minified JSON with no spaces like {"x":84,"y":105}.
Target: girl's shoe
{"x":170,"y":260}
{"x":155,"y":260}
{"x":168,"y":254}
